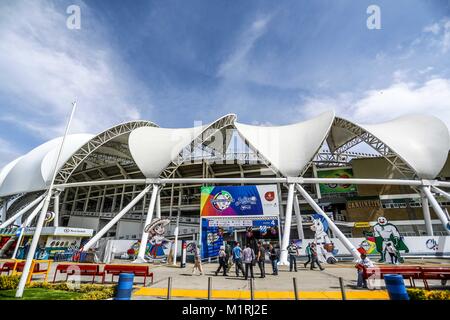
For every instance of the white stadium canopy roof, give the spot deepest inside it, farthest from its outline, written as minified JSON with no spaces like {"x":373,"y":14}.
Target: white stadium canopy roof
{"x":416,"y":144}
{"x":289,"y":148}
{"x":33,"y":171}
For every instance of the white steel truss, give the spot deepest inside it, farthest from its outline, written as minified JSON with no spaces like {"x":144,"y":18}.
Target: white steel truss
{"x":207,"y":133}
{"x":361,"y":135}
{"x":101,"y":139}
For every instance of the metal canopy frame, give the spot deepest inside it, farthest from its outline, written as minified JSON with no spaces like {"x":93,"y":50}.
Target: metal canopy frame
{"x":89,"y":148}
{"x":361,"y":135}
{"x":208,"y":132}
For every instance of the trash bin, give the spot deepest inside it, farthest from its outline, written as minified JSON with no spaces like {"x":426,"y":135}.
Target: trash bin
{"x":396,"y":287}
{"x":125,"y":286}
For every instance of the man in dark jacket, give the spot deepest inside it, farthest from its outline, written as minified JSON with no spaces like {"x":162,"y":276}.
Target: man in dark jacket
{"x":222,"y":261}
{"x":292,"y":250}
{"x":261,"y":258}
{"x":274,"y":259}
{"x":314,"y":258}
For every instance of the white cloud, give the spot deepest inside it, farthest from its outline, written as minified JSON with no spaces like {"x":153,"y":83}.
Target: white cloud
{"x":401,"y":98}
{"x":8,"y":152}
{"x":433,"y":28}
{"x":440,"y":33}
{"x":45,"y":66}
{"x":236,"y":64}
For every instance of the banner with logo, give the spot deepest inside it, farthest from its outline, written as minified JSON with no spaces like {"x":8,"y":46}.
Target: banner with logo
{"x":213,"y":230}
{"x":328,"y":188}
{"x":239,"y":200}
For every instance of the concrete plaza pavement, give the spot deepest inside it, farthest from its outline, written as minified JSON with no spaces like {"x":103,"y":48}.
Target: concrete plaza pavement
{"x":307,"y":280}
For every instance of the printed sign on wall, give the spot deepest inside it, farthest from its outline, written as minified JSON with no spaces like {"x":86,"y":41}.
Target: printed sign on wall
{"x":327,"y":188}
{"x":214,"y":229}
{"x":239,"y":200}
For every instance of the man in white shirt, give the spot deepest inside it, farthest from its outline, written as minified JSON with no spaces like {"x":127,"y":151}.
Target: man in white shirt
{"x":248,"y":258}
{"x":363,"y":263}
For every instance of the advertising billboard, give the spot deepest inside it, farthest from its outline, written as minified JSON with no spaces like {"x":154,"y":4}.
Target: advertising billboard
{"x":213,"y":231}
{"x":329,"y":188}
{"x":239,"y":200}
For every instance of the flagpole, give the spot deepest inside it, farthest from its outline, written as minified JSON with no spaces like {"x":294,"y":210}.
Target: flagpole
{"x":40,"y":223}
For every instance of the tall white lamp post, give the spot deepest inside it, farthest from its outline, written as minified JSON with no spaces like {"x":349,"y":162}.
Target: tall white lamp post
{"x":40,"y":222}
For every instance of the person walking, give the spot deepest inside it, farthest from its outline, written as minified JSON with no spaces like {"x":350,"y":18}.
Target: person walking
{"x":249,"y":259}
{"x":197,"y":260}
{"x":293,"y":252}
{"x":314,"y":258}
{"x":228,"y":253}
{"x":308,"y":254}
{"x":222,"y":261}
{"x":361,"y":265}
{"x":261,"y":259}
{"x":237,"y":259}
{"x":273,"y":254}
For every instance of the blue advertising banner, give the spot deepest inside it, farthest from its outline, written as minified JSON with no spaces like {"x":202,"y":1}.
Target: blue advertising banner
{"x":214,"y":229}
{"x":239,"y":200}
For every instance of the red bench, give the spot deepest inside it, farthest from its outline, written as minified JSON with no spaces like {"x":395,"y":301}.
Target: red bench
{"x":9,"y":267}
{"x":411,"y":273}
{"x":435,"y":273}
{"x":137,"y":270}
{"x":79,"y":269}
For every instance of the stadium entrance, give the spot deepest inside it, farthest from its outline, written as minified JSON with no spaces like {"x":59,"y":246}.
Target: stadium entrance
{"x":238,"y":213}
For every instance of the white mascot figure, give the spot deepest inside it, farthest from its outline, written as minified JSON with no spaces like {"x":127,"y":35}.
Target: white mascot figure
{"x":322,"y":240}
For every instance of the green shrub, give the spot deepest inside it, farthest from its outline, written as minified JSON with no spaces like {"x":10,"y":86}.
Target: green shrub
{"x":43,"y":285}
{"x":438,"y":295}
{"x":64,"y":286}
{"x":416,"y":294}
{"x":420,"y":294}
{"x":88,"y":291}
{"x":92,"y":287}
{"x":9,"y":282}
{"x":97,"y":294}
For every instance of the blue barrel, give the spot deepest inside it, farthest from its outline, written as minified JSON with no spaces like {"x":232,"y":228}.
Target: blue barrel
{"x":125,"y":286}
{"x":395,"y":287}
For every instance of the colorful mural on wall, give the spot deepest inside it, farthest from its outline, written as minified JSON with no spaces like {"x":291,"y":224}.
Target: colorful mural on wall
{"x":385,"y":239}
{"x":158,"y":247}
{"x":239,"y":200}
{"x":325,"y":247}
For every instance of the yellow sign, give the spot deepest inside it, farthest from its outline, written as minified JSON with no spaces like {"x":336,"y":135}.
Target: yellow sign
{"x":362,"y":225}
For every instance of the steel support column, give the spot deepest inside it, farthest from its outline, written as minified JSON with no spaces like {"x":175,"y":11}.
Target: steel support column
{"x":350,"y":247}
{"x":116,"y":218}
{"x":287,"y":225}
{"x":437,"y":209}
{"x":298,"y":217}
{"x":426,"y":214}
{"x":22,"y":211}
{"x":56,"y":208}
{"x":148,"y":219}
{"x":177,"y":226}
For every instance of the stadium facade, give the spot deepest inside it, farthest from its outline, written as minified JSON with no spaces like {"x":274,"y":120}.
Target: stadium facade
{"x":108,"y":179}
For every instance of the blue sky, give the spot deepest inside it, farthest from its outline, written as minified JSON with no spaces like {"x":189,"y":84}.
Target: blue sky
{"x":176,"y":62}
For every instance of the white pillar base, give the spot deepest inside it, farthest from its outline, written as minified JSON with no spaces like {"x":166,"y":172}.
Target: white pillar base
{"x":140,"y":260}
{"x":283,"y":259}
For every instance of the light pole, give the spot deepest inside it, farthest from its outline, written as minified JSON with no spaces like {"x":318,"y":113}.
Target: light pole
{"x":40,"y":222}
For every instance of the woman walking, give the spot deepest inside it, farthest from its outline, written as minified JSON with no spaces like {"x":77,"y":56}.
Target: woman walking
{"x":197,"y":260}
